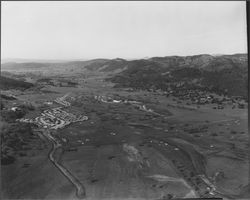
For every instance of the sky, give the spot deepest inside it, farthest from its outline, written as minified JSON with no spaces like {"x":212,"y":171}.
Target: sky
{"x":86,"y":30}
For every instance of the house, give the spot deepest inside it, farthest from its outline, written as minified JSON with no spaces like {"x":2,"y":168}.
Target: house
{"x":14,"y":109}
{"x":48,"y":102}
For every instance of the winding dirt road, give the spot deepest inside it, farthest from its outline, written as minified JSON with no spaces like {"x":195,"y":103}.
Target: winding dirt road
{"x":80,"y":190}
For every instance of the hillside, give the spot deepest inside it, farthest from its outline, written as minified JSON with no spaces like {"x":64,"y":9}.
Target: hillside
{"x":221,"y":74}
{"x":9,"y":83}
{"x":204,"y":61}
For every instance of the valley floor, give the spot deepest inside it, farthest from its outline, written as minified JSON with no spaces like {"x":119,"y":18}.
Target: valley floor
{"x":122,"y":152}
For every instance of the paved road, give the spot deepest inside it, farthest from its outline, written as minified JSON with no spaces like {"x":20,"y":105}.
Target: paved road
{"x":80,"y":190}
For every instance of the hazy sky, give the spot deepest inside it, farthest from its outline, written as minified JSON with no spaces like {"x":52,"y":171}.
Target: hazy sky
{"x":85,"y":30}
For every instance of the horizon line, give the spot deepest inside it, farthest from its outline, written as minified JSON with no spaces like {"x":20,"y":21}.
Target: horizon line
{"x":125,"y":58}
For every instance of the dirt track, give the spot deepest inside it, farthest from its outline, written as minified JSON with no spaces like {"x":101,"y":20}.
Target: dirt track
{"x":80,"y":190}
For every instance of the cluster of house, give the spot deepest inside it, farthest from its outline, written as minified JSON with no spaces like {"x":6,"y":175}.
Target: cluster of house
{"x":136,"y":104}
{"x":197,"y":96}
{"x":109,"y":99}
{"x":106,"y":99}
{"x":55,"y":118}
{"x":62,"y":101}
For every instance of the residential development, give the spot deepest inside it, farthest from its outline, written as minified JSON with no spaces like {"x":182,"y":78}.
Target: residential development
{"x":55,"y":118}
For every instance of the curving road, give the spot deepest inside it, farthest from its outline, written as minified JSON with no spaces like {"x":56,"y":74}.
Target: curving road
{"x":196,"y":160}
{"x":80,"y":190}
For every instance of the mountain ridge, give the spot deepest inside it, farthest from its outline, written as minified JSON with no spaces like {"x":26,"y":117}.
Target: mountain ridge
{"x":222,"y":73}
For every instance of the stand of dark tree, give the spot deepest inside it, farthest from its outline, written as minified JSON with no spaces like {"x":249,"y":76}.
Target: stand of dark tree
{"x":14,"y":138}
{"x":9,"y":83}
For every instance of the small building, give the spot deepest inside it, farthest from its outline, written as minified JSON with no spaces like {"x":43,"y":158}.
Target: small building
{"x":14,"y":109}
{"x":48,"y":102}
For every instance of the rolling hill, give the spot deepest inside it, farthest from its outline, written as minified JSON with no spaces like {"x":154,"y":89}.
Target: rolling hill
{"x":222,"y":73}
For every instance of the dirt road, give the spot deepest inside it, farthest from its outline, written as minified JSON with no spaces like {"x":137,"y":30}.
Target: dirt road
{"x":80,"y":190}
